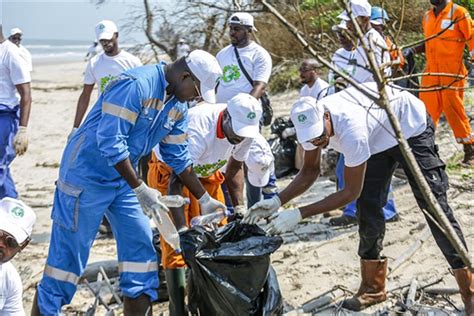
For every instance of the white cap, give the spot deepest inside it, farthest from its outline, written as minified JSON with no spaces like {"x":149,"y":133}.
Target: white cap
{"x":340,"y":26}
{"x":260,"y":162}
{"x":17,"y":218}
{"x":245,"y":113}
{"x":379,"y":21}
{"x":359,"y":8}
{"x":15,"y":30}
{"x":105,"y":29}
{"x":307,"y":117}
{"x":207,"y":70}
{"x":242,"y":18}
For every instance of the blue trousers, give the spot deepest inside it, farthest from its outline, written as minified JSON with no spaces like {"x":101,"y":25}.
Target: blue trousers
{"x":9,"y":120}
{"x":77,"y":213}
{"x":389,"y":210}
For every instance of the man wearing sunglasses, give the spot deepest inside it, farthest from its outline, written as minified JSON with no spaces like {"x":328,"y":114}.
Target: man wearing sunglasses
{"x":353,"y":125}
{"x":16,"y":37}
{"x":144,"y":106}
{"x":16,"y":224}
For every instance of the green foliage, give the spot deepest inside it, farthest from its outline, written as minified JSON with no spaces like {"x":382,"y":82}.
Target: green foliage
{"x":286,"y":78}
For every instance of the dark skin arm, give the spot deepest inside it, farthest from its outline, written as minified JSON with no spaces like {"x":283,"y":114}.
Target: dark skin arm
{"x":127,"y":171}
{"x":258,"y":89}
{"x":175,"y":187}
{"x":353,"y":179}
{"x":83,"y":104}
{"x":24,"y":90}
{"x":305,"y":178}
{"x":234,"y":180}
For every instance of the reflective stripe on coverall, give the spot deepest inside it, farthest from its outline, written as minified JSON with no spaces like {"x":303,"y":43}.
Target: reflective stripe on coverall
{"x":444,"y":55}
{"x":127,"y":121}
{"x":158,"y":178}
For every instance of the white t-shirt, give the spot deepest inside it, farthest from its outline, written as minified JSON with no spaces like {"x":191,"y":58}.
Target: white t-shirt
{"x":362,"y":129}
{"x":208,"y":152}
{"x":26,"y":56}
{"x":11,"y":291}
{"x":317,"y":91}
{"x":257,"y":63}
{"x":13,"y":71}
{"x":102,"y":68}
{"x":379,"y":46}
{"x":343,"y":60}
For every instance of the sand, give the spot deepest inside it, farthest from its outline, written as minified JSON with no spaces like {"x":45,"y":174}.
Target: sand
{"x":312,"y":261}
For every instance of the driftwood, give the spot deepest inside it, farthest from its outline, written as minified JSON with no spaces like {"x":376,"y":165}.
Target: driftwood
{"x":324,"y":299}
{"x":442,"y":290}
{"x":410,"y":301}
{"x":110,"y":267}
{"x":425,"y":234}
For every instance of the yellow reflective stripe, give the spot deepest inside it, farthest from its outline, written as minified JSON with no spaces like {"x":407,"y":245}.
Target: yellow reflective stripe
{"x":137,"y":267}
{"x":61,"y":275}
{"x":175,"y":115}
{"x":119,"y":111}
{"x":174,"y":139}
{"x":153,"y":103}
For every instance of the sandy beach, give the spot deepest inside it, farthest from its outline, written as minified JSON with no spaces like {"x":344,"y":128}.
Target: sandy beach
{"x":313,"y":260}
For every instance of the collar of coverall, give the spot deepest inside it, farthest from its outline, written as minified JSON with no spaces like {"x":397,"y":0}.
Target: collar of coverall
{"x":220,"y":132}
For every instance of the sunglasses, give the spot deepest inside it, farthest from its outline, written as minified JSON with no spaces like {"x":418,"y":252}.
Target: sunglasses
{"x":9,"y":240}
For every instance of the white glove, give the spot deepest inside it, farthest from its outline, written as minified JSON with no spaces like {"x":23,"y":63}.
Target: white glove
{"x":240,"y":210}
{"x":284,"y":221}
{"x":287,"y":132}
{"x":210,"y":205}
{"x":150,"y":201}
{"x":262,"y":209}
{"x":20,"y":142}
{"x":71,"y":134}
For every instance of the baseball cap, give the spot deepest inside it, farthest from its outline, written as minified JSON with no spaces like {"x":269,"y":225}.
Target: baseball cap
{"x":260,"y":162}
{"x":341,"y":26}
{"x":245,"y":113}
{"x":206,"y":68}
{"x":358,"y":7}
{"x":105,"y":29}
{"x":17,"y":218}
{"x":307,"y":117}
{"x":15,"y":30}
{"x":242,"y":18}
{"x":378,"y":16}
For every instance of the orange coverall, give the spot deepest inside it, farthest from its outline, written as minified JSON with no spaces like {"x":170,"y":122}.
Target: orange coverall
{"x":444,"y":54}
{"x":158,"y":178}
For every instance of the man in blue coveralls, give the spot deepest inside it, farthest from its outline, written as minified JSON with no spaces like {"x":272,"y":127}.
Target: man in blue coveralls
{"x":143,"y":107}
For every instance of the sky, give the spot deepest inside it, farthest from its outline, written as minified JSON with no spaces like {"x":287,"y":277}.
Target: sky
{"x":67,"y":19}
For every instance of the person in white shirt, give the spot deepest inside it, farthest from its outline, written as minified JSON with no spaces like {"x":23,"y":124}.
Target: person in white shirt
{"x":16,"y":38}
{"x":256,"y":62}
{"x":15,"y":104}
{"x":313,"y":86}
{"x":103,"y":67}
{"x":16,"y":227}
{"x":182,"y":49}
{"x":354,"y":125}
{"x":219,"y":136}
{"x":93,"y":50}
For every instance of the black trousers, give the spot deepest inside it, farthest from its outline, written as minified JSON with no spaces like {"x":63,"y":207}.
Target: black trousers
{"x":380,"y":168}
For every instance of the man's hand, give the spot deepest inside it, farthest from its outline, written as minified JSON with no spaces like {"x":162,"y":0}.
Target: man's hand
{"x":71,"y":134}
{"x":20,"y":142}
{"x":210,"y":205}
{"x":262,"y":209}
{"x":240,"y":210}
{"x":283,"y":221}
{"x":150,"y":201}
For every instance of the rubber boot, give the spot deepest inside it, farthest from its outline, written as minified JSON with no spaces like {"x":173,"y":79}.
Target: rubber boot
{"x":372,"y":286}
{"x":140,"y":306}
{"x":35,"y":309}
{"x":468,"y":154}
{"x":176,"y":281}
{"x":466,"y":289}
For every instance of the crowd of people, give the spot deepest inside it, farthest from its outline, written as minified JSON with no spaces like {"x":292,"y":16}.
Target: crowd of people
{"x":201,"y":117}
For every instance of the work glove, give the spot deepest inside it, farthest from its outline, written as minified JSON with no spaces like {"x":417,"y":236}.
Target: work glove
{"x":209,"y":205}
{"x":262,"y":209}
{"x":283,"y":221}
{"x":150,"y":201}
{"x":71,"y":134}
{"x":240,"y":210}
{"x":20,"y":142}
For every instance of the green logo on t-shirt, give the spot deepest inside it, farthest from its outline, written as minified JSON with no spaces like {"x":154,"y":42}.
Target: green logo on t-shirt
{"x":230,"y":72}
{"x":105,"y":80}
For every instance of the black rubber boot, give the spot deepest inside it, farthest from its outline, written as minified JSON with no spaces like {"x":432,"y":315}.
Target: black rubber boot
{"x":176,"y":281}
{"x":140,"y":306}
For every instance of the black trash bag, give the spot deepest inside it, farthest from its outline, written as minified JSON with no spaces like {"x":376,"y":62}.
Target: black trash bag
{"x":230,"y":272}
{"x":284,"y":151}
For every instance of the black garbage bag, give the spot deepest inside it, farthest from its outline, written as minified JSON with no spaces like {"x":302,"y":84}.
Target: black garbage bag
{"x":284,"y":151}
{"x":230,"y":272}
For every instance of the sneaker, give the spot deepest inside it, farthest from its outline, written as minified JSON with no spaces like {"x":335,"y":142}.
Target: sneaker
{"x":343,"y":220}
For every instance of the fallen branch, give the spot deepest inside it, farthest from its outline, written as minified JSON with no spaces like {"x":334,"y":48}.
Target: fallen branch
{"x":411,"y":293}
{"x":425,"y":234}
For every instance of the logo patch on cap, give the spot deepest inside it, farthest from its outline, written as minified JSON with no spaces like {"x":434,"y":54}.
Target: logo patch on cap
{"x":17,"y":212}
{"x":251,"y":115}
{"x":101,"y":26}
{"x":302,"y":118}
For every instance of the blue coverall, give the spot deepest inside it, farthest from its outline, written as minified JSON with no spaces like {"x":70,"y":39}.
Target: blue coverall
{"x":9,"y":120}
{"x":127,"y":121}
